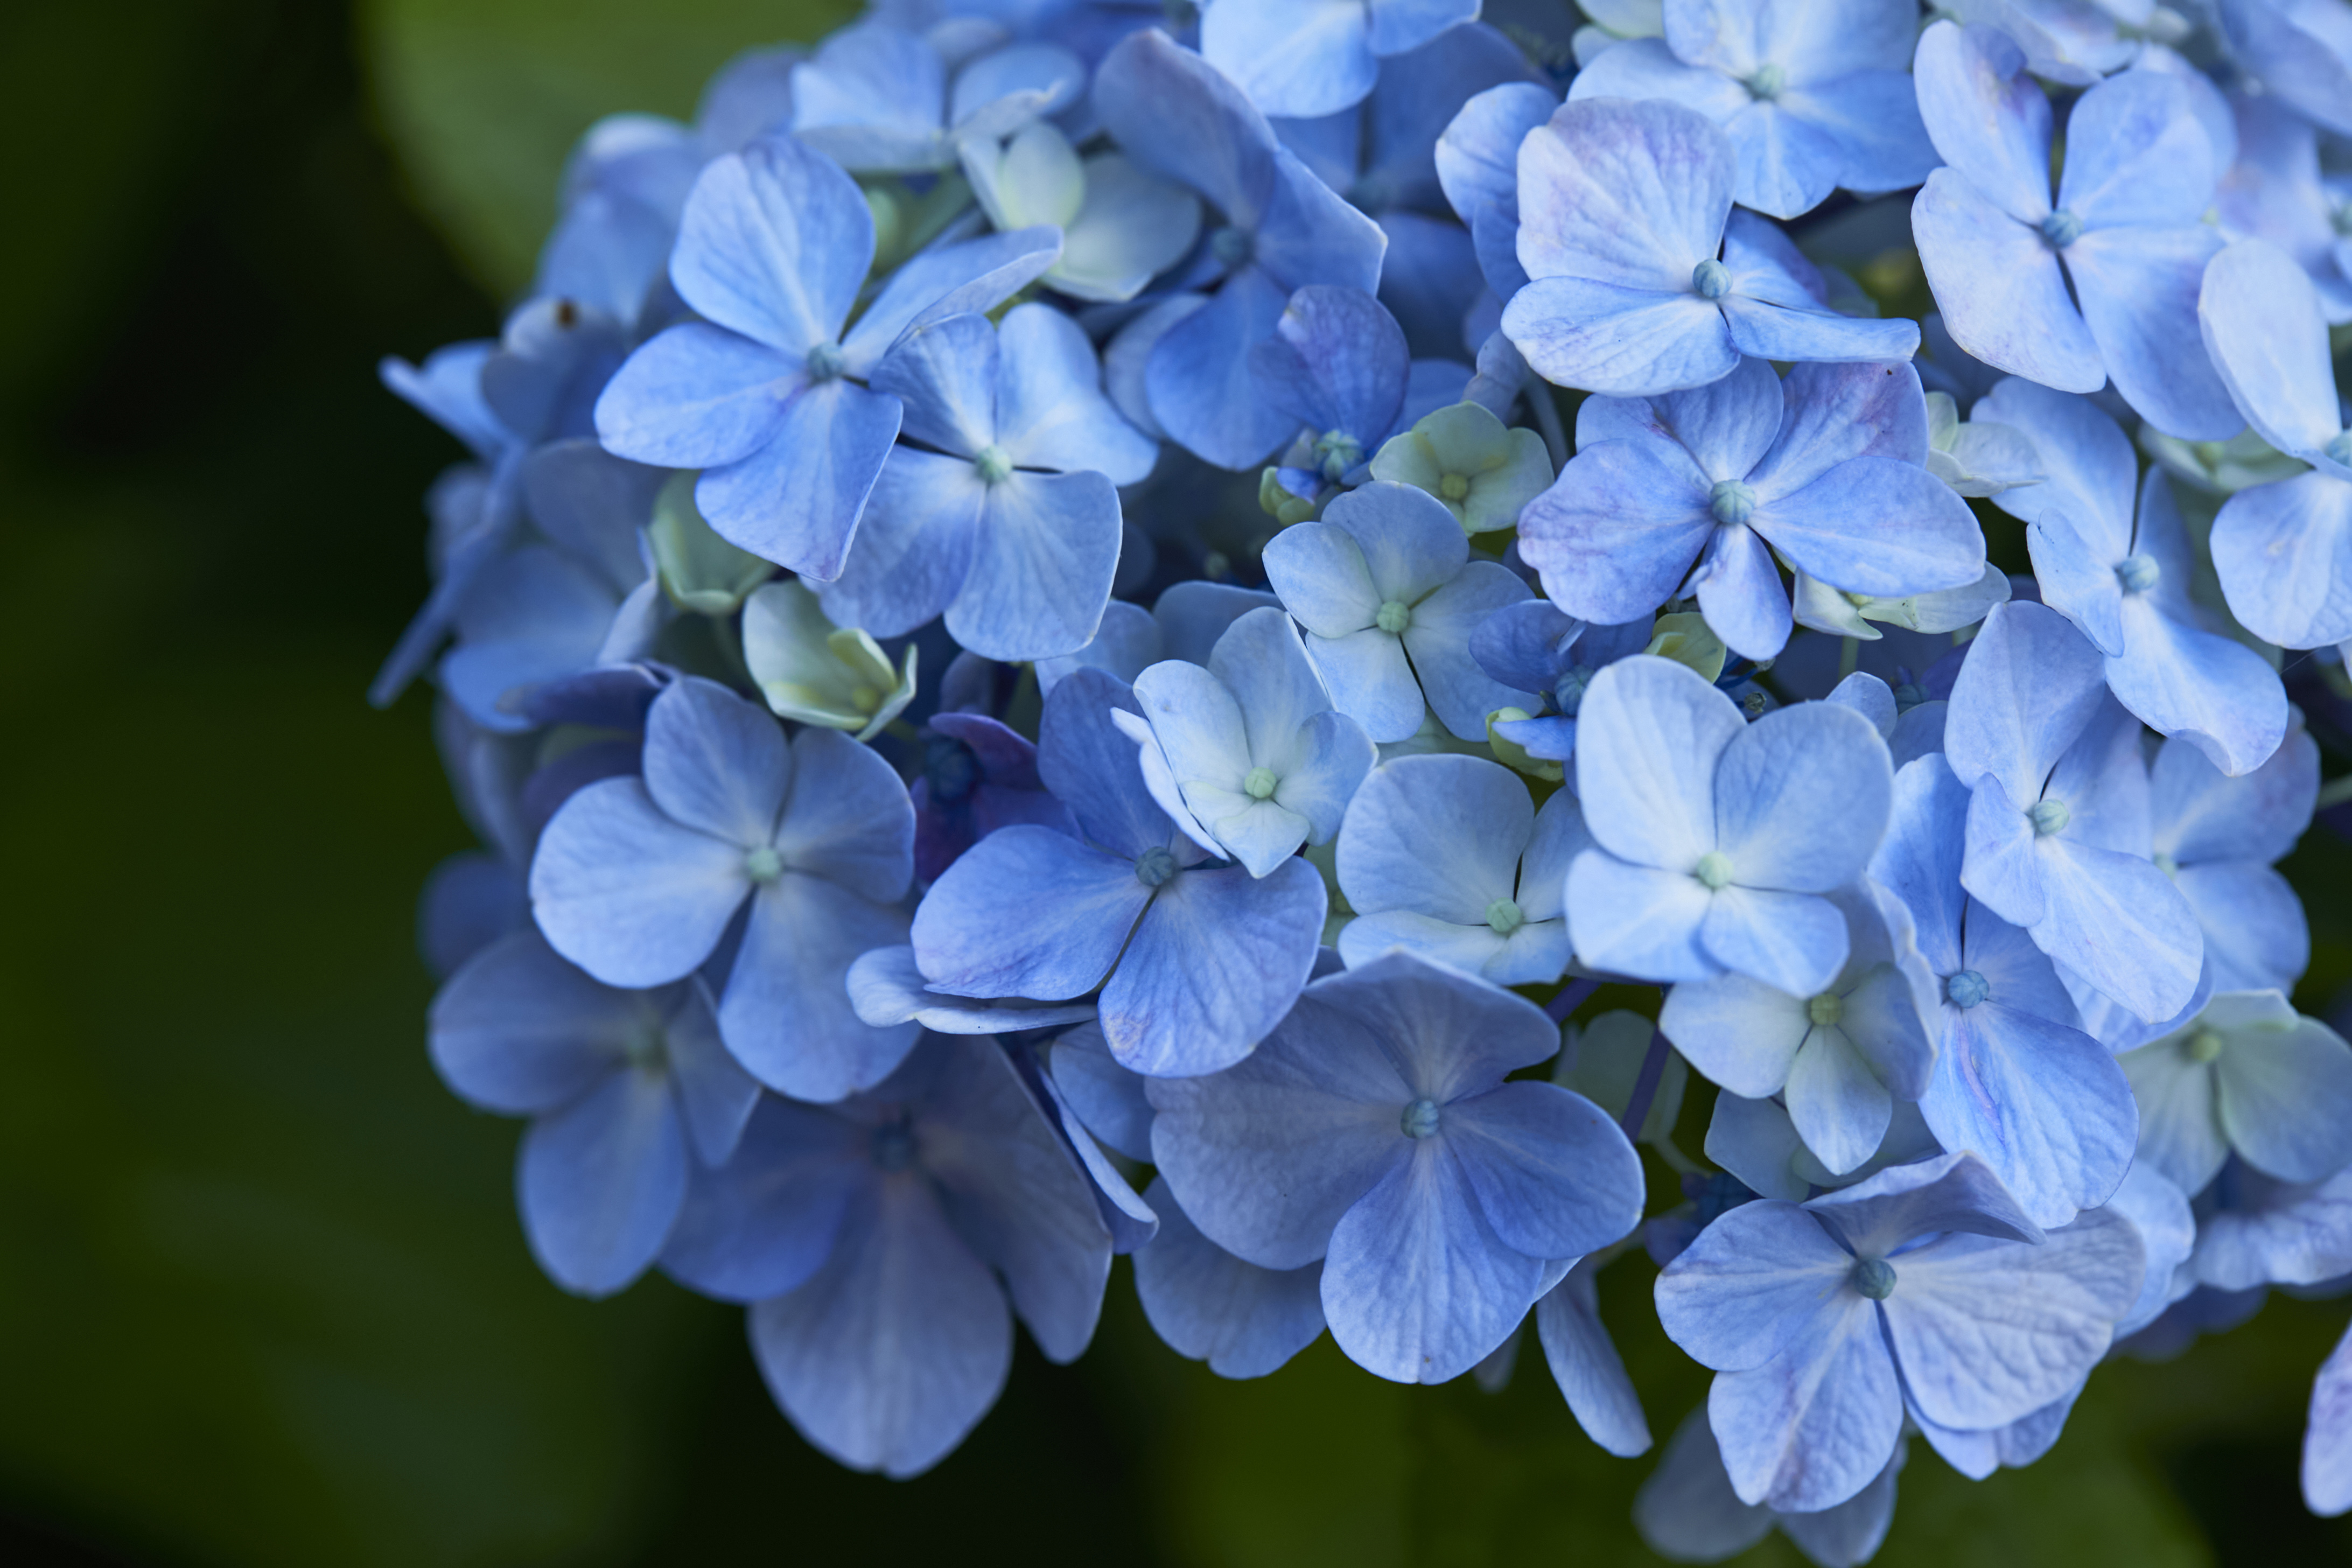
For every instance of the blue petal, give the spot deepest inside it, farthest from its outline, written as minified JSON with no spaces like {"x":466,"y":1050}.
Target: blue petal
{"x":1619,"y":339}
{"x":1459,"y":692}
{"x":1751,"y":1286}
{"x":1209,"y":1305}
{"x":1616,"y":533}
{"x":763,"y":1223}
{"x":715,"y":1094}
{"x":2284,"y":1096}
{"x":2202,"y":815}
{"x":1398,"y":25}
{"x":1837,"y":412}
{"x":601,"y":1182}
{"x":2327,"y":1438}
{"x":916,"y":542}
{"x":1920,"y":859}
{"x":1919,"y":535}
{"x":1107,"y":1097}
{"x":1199,"y":379}
{"x":518,"y":1030}
{"x":1637,"y":921}
{"x":1524,"y":644}
{"x":1987,"y":118}
{"x":2043,"y":1105}
{"x":1217,"y":959}
{"x":895,"y":1348}
{"x":2213,"y":690}
{"x":2138,"y":290}
{"x":626,"y":892}
{"x":1551,"y":1171}
{"x":1738,"y":589}
{"x":1811,"y":1428}
{"x":2136,"y":155}
{"x":786,"y":1014}
{"x":944,"y":377}
{"x":2030,"y":685}
{"x":1874,"y":115}
{"x":1586,"y":1366}
{"x":1771,"y":331}
{"x":1174,"y":114}
{"x":1027,"y":911}
{"x":1296,"y":58}
{"x":2262,"y":324}
{"x":1738,"y":1032}
{"x":873,"y":97}
{"x":1651,"y":734}
{"x":2256,"y":934}
{"x":2284,"y":552}
{"x":2276,"y":1234}
{"x":1720,"y":431}
{"x":1788,"y":164}
{"x":1648,"y":69}
{"x":848,"y":818}
{"x":697,"y":395}
{"x":1687,"y":1510}
{"x":1801,"y":796}
{"x":716,"y":764}
{"x":1336,"y":361}
{"x":1790,"y":941}
{"x":796,"y":502}
{"x":1089,"y":766}
{"x":1431,"y":281}
{"x":1417,"y":1286}
{"x":977,"y":275}
{"x":1951,"y":1193}
{"x":1615,"y":192}
{"x":1051,"y":410}
{"x":774,"y":243}
{"x":885,"y":987}
{"x":1042,"y":567}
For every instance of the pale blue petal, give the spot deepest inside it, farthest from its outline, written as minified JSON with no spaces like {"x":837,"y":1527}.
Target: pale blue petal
{"x":2138,"y":290}
{"x":1813,"y":1427}
{"x":715,"y":762}
{"x":894,"y":1350}
{"x":1198,"y":378}
{"x":1987,"y":117}
{"x":2077,"y":578}
{"x":1209,"y":1305}
{"x":1629,"y":193}
{"x":2030,"y":685}
{"x":1651,"y":734}
{"x":2168,"y":1233}
{"x":1920,"y":859}
{"x":1622,"y":339}
{"x":2277,"y":1235}
{"x":1551,"y":1171}
{"x":1027,"y":911}
{"x":601,"y":1182}
{"x":1790,"y":941}
{"x":1126,"y":642}
{"x":1042,"y":567}
{"x":1687,"y":1510}
{"x":773,"y":244}
{"x":1919,"y":535}
{"x":2213,"y":690}
{"x":1177,"y":116}
{"x":1836,"y":1103}
{"x":786,"y":1013}
{"x":1217,"y":959}
{"x":2136,"y":155}
{"x":1752,"y":1284}
{"x":1332,"y":756}
{"x":2120,"y":922}
{"x":2284,"y":552}
{"x":1648,"y":69}
{"x":1417,"y":1286}
{"x":2256,"y":937}
{"x":977,"y":275}
{"x":945,"y":376}
{"x":848,"y":818}
{"x":1616,"y":533}
{"x":2262,"y":324}
{"x":1989,"y":1331}
{"x":1296,"y":58}
{"x":1411,"y":543}
{"x":2043,"y":1105}
{"x":915,"y":547}
{"x":1755,"y":1141}
{"x":1586,"y":1366}
{"x":1051,"y":411}
{"x":1440,"y":835}
{"x":1873,"y":116}
{"x":2284,"y":1097}
{"x":697,"y":395}
{"x":1369,"y":678}
{"x":1834,"y":412}
{"x":2179,"y":1117}
{"x":2203,"y":816}
{"x":1446,"y":1033}
{"x":1738,"y":589}
{"x":1318,"y":569}
{"x":624,"y":892}
{"x":886,"y":987}
{"x":2327,"y":1437}
{"x":2000,"y":289}
{"x":1736,"y":1032}
{"x":1107,"y":1099}
{"x":1775,"y":331}
{"x":1955,"y":1192}
{"x":796,"y":502}
{"x":1261,"y":662}
{"x":875,"y":97}
{"x":1634,"y":919}
{"x":1801,"y":796}
{"x":1788,"y":164}
{"x":1459,"y":692}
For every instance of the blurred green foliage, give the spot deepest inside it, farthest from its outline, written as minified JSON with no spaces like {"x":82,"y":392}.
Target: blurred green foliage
{"x":263,"y":1300}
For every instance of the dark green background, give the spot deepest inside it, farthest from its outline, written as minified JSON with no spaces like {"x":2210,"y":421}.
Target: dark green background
{"x":262,"y":1295}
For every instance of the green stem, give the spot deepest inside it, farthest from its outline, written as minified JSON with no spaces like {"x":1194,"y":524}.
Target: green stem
{"x":2335,"y":791}
{"x":1849,"y":657}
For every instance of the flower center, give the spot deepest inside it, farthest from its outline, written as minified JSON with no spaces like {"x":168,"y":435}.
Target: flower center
{"x":994,"y":466}
{"x":1713,"y":870}
{"x":1767,"y":82}
{"x":2137,"y":573}
{"x":1874,"y":1278}
{"x":1154,"y":866}
{"x":2205,"y":1045}
{"x":1504,"y":917}
{"x":764,"y":865}
{"x":1825,"y":1010}
{"x":2061,"y":229}
{"x":1420,"y":1118}
{"x":1710,"y":279}
{"x":1394,"y":615}
{"x":1454,"y":487}
{"x":2049,"y":816}
{"x":1259,"y":784}
{"x":1968,"y":988}
{"x":825,"y":362}
{"x":1732,"y":502}
{"x":1336,"y":452}
{"x":1233,"y":246}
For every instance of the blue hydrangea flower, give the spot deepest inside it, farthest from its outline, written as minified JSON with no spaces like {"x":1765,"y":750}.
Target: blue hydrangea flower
{"x":1338,"y":365}
{"x":2217,"y":837}
{"x":2059,"y":838}
{"x":2126,"y":587}
{"x":1390,"y":597}
{"x":1623,"y":207}
{"x":1925,"y":1285}
{"x":2250,"y":1076}
{"x":878,"y":99}
{"x":1812,"y":96}
{"x":1687,"y":1510}
{"x":763,"y":394}
{"x":637,"y":879}
{"x":1839,"y":1059}
{"x":1176,"y":117}
{"x":1247,"y":754}
{"x":1446,"y":857}
{"x":2017,"y":1081}
{"x":2301,"y":52}
{"x":1825,"y":467}
{"x":1374,"y":1129}
{"x":1211,"y":1306}
{"x":2126,"y":233}
{"x":2282,"y":550}
{"x":619,"y":1085}
{"x":1716,"y":839}
{"x":1303,"y":59}
{"x":2253,"y":1231}
{"x":1195,"y":963}
{"x":877,"y":1241}
{"x":1534,"y":646}
{"x":1006,"y":517}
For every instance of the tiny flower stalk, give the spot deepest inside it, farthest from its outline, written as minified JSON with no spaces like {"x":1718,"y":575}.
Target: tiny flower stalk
{"x":817,"y":673}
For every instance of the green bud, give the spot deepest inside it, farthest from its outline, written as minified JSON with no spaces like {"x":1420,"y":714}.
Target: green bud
{"x":817,"y":673}
{"x":1687,"y":639}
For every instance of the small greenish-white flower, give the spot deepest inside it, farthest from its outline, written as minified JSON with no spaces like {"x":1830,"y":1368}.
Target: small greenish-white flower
{"x":1977,"y":458}
{"x":817,"y":673}
{"x":1484,"y":471}
{"x":2220,"y":467}
{"x":1688,"y":640}
{"x":1120,"y":226}
{"x":1831,"y":610}
{"x":699,"y":570}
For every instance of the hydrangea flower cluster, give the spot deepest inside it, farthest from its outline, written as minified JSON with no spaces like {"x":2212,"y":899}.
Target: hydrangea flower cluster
{"x":1073,"y":631}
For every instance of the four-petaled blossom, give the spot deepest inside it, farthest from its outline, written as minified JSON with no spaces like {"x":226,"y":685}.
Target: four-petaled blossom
{"x":1390,"y":597}
{"x":636,"y":880}
{"x":2126,"y":233}
{"x":1624,"y":209}
{"x":1925,"y":1288}
{"x":1825,"y":467}
{"x":1716,"y":839}
{"x":1813,"y":95}
{"x":1375,"y":1130}
{"x":2250,"y":1076}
